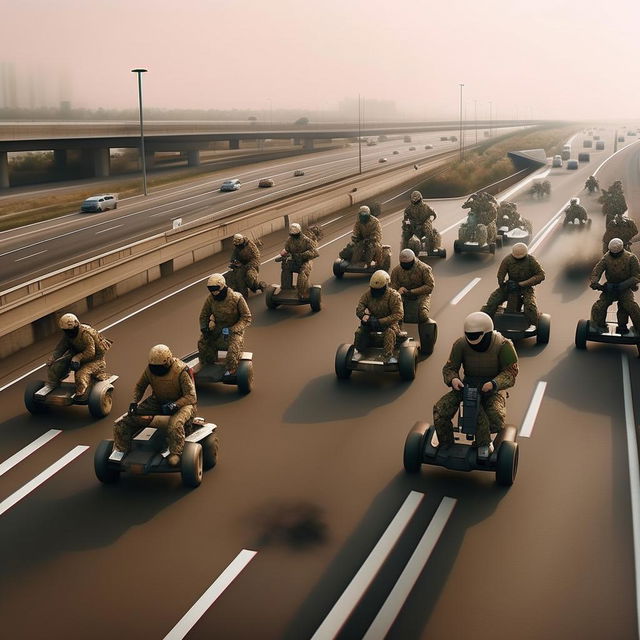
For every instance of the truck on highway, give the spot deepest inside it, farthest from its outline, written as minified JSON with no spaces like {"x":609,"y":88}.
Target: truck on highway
{"x":566,"y":152}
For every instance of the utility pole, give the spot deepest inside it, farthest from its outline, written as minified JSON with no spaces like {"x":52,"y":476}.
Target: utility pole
{"x":142,"y":152}
{"x":461,"y":143}
{"x":475,"y":117}
{"x":359,"y":136}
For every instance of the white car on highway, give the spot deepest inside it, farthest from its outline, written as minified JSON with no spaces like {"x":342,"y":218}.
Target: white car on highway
{"x":230,"y":185}
{"x":100,"y":203}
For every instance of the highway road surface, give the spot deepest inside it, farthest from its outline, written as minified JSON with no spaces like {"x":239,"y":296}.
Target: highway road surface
{"x":309,"y":527}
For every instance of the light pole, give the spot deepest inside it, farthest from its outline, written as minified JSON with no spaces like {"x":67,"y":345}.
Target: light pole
{"x":490,"y":117}
{"x":475,"y":117}
{"x":461,"y":143}
{"x":359,"y":136}
{"x":144,"y":160}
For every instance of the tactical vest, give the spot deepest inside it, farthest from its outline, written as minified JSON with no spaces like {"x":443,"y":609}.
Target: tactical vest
{"x":101,"y":343}
{"x":167,"y":388}
{"x":482,"y":364}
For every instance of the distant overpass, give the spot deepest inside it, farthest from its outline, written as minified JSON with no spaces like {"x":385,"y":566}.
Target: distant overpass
{"x":96,"y":139}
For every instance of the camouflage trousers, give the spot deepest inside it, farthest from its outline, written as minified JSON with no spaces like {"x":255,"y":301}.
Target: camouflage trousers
{"x":59,"y":369}
{"x":209,"y":344}
{"x":416,"y":308}
{"x":361,"y":340}
{"x":243,"y":278}
{"x":493,"y":411}
{"x":357,"y":252}
{"x":418,"y":231}
{"x":302,"y":283}
{"x":627,"y":306}
{"x":128,"y":426}
{"x":501,"y":294}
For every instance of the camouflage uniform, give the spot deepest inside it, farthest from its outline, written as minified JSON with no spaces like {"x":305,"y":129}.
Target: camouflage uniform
{"x":420,"y":216}
{"x":88,"y":348}
{"x":419,"y":282}
{"x":302,"y":250}
{"x":525,"y":270}
{"x":574,"y":211}
{"x":366,"y":242}
{"x":620,"y":227}
{"x":175,"y":386}
{"x":624,"y":270}
{"x":231,"y":313}
{"x":613,"y":201}
{"x":389,"y":312}
{"x":498,"y":363}
{"x":247,"y":256}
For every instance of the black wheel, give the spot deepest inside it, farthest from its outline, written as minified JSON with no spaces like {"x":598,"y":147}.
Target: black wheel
{"x":507,"y":465}
{"x":492,"y":248}
{"x":268,"y":297}
{"x":115,"y":206}
{"x":457,"y":247}
{"x":414,"y":447}
{"x":100,"y":400}
{"x":210,"y":447}
{"x":544,"y":328}
{"x":244,"y":376}
{"x":442,"y":253}
{"x":428,"y":332}
{"x":337,"y":269}
{"x":106,"y":471}
{"x":407,"y":362}
{"x":499,"y":241}
{"x":582,"y":331}
{"x":191,"y":464}
{"x":33,"y":406}
{"x":315,"y":298}
{"x":344,"y":354}
{"x":386,"y":263}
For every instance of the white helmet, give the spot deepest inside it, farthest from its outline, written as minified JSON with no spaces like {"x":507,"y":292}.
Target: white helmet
{"x":238,"y":238}
{"x":407,"y":255}
{"x":519,"y":250}
{"x":476,"y":326}
{"x":295,"y":229}
{"x":216,"y":280}
{"x":68,"y":321}
{"x":616,"y":245}
{"x":160,"y":354}
{"x":416,"y":196}
{"x":379,"y":279}
{"x":364,"y":210}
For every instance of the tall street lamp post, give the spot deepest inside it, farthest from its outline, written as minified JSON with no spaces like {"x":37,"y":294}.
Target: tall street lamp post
{"x":359,"y":136}
{"x":142,"y":153}
{"x":461,"y":142}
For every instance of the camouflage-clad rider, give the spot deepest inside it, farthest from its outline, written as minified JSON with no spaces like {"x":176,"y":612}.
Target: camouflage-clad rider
{"x":298,"y":253}
{"x":413,"y":280}
{"x":575,"y":210}
{"x":245,"y":264}
{"x":418,"y":220}
{"x":621,"y":227}
{"x":366,"y":239}
{"x":490,"y":362}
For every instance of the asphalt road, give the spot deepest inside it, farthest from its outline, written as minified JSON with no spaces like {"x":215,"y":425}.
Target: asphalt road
{"x":310,"y":475}
{"x":30,"y":251}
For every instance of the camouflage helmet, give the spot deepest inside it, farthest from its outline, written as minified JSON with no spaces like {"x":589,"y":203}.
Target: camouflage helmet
{"x":295,"y":229}
{"x":416,"y":196}
{"x":238,"y":239}
{"x":216,"y":280}
{"x":476,"y":326}
{"x":160,"y":354}
{"x":519,"y":250}
{"x":574,"y":201}
{"x":407,"y":255}
{"x":68,"y":321}
{"x":364,"y":210}
{"x":616,"y":245}
{"x":379,"y":279}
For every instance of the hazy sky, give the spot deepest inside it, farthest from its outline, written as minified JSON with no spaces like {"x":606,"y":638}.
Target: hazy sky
{"x":560,"y":58}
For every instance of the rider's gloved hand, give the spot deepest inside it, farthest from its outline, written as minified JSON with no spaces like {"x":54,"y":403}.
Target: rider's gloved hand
{"x":457,"y":384}
{"x":374,"y":323}
{"x":169,"y":408}
{"x":595,"y":286}
{"x":74,"y":365}
{"x":133,"y":408}
{"x":489,"y":387}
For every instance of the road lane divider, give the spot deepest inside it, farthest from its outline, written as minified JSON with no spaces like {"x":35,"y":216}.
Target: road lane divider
{"x":410,"y":574}
{"x":532,"y":412}
{"x":33,"y":484}
{"x":466,"y":290}
{"x":539,"y":238}
{"x":25,"y":452}
{"x":356,"y":589}
{"x":109,"y":229}
{"x":634,"y":475}
{"x":188,"y":621}
{"x":31,"y":255}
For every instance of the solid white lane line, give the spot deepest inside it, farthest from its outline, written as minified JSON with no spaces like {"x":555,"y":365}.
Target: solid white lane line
{"x":613,"y":154}
{"x":109,"y":229}
{"x":400,"y":592}
{"x":26,"y":489}
{"x":347,"y":602}
{"x":324,"y":224}
{"x":453,"y":226}
{"x":547,"y":228}
{"x":523,"y":183}
{"x":31,"y":255}
{"x":466,"y":290}
{"x":532,"y":412}
{"x":28,"y":450}
{"x":210,"y":595}
{"x":634,"y":474}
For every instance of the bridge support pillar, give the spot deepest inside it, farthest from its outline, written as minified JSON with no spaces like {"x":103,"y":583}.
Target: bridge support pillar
{"x":101,"y":162}
{"x":193,"y":157}
{"x":308,"y":144}
{"x":234,"y":143}
{"x":4,"y":170}
{"x":60,"y":159}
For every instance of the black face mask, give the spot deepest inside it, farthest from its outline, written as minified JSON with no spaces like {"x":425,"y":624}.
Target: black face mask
{"x":220,"y":295}
{"x":483,"y":345}
{"x":407,"y":265}
{"x":71,"y":333}
{"x":615,"y":255}
{"x":378,"y":293}
{"x":364,"y":218}
{"x":159,"y":369}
